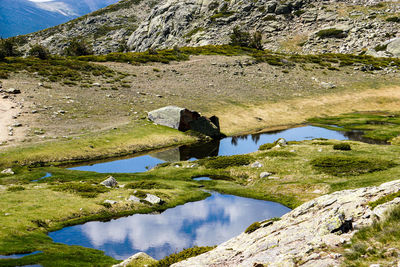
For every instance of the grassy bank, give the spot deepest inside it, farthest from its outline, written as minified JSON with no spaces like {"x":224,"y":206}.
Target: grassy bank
{"x":136,"y":137}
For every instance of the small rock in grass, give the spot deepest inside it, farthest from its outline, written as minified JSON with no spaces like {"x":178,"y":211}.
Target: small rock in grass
{"x":265,"y":174}
{"x":110,"y":182}
{"x":112,"y":202}
{"x":134,"y":199}
{"x":256,"y":165}
{"x":152,"y":199}
{"x":8,"y":171}
{"x":281,"y":142}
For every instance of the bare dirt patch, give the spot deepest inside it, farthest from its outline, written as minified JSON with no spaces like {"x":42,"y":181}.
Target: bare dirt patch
{"x":246,"y":95}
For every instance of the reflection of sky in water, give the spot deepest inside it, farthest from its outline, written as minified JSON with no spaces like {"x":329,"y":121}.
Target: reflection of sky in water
{"x":227,"y":146}
{"x":250,"y":143}
{"x":137,"y":164}
{"x":202,"y":223}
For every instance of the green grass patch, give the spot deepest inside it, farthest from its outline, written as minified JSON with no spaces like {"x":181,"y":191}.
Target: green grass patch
{"x":340,"y":165}
{"x":383,"y":200}
{"x":147,"y":185}
{"x":266,"y":146}
{"x":223,"y":162}
{"x":342,"y":146}
{"x":84,"y":189}
{"x":252,"y":227}
{"x":279,"y":153}
{"x":380,"y":126}
{"x":15,"y":188}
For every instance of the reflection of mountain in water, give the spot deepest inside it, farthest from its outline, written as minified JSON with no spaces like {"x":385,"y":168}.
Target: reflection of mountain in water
{"x":197,"y":151}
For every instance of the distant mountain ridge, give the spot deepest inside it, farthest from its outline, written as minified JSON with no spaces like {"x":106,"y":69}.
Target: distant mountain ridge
{"x":19,"y":17}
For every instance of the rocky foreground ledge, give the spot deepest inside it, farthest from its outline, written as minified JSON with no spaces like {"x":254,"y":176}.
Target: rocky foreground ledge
{"x":298,"y":238}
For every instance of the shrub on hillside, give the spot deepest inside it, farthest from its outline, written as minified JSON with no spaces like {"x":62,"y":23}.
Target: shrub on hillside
{"x":39,"y":51}
{"x":252,"y":227}
{"x":8,"y":48}
{"x":331,"y":33}
{"x":78,"y":48}
{"x":344,"y":147}
{"x":393,"y":19}
{"x":245,"y":39}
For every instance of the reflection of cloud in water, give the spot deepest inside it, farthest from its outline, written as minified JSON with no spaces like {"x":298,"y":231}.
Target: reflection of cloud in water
{"x":208,"y":222}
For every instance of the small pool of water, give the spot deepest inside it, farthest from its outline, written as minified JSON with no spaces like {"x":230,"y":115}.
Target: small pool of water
{"x":18,"y":256}
{"x":202,"y":179}
{"x":202,"y":223}
{"x":228,"y":146}
{"x":44,"y":177}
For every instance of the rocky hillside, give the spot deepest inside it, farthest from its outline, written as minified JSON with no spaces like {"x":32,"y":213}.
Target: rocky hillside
{"x":107,"y":29}
{"x":307,"y":235}
{"x":303,"y":26}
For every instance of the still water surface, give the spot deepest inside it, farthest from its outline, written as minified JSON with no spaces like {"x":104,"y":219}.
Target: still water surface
{"x":225,"y":147}
{"x":202,"y":223}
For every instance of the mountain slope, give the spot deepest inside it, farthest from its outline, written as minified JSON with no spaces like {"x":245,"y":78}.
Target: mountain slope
{"x":295,"y":26}
{"x":23,"y":16}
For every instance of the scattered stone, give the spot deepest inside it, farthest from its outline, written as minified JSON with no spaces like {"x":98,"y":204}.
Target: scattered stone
{"x":34,"y":111}
{"x":328,"y":85}
{"x":112,"y":202}
{"x":110,"y":182}
{"x":13,"y":91}
{"x":281,"y":142}
{"x":17,"y":124}
{"x":256,"y":165}
{"x":152,"y":199}
{"x":134,"y":199}
{"x":317,"y":191}
{"x":96,"y":84}
{"x":265,"y":174}
{"x":8,"y":171}
{"x":7,"y":214}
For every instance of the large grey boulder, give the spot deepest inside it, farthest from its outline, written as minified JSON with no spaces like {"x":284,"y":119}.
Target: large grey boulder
{"x":394,"y":47}
{"x":110,"y":182}
{"x":183,"y":119}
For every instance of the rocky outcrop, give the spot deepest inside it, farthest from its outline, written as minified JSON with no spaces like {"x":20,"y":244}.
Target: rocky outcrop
{"x":183,"y":120}
{"x":329,"y":220}
{"x":290,"y":26}
{"x":138,"y":257}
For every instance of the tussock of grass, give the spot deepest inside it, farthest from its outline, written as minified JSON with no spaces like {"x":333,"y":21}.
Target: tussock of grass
{"x":331,"y":33}
{"x":15,"y":188}
{"x":266,"y":146}
{"x":342,"y":146}
{"x":223,"y":162}
{"x":384,"y":199}
{"x":147,"y":185}
{"x":279,"y":153}
{"x":340,"y":165}
{"x":252,"y":227}
{"x":83,"y":189}
{"x":180,"y":256}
